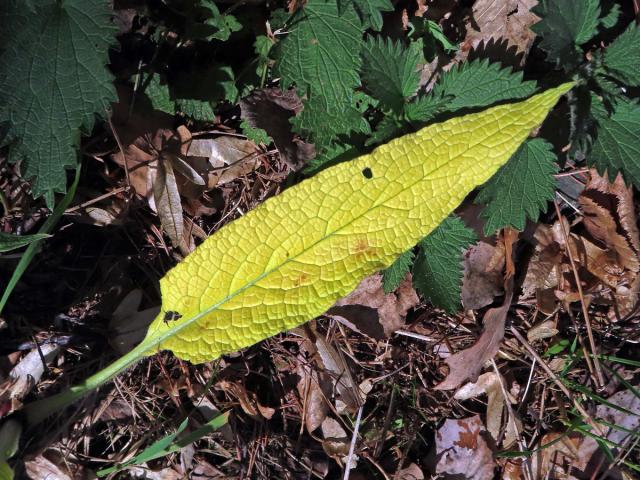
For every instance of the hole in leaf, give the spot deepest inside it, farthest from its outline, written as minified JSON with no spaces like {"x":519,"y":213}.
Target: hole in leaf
{"x":367,"y":173}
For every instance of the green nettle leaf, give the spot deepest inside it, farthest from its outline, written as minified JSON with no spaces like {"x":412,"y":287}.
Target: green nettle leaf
{"x":437,"y":271}
{"x":331,"y":155}
{"x":435,"y":31}
{"x":325,"y":126}
{"x":425,"y":107}
{"x":262,"y":46}
{"x":521,"y":188}
{"x":369,"y":11}
{"x":393,"y":276}
{"x":321,"y":56}
{"x":223,"y":25}
{"x":53,"y":83}
{"x":256,"y":135}
{"x":480,"y":83}
{"x":622,"y":58}
{"x":389,"y":127}
{"x":612,"y":16}
{"x":390,"y":71}
{"x":159,"y":96}
{"x":617,"y":146}
{"x":566,"y":24}
{"x":200,"y":110}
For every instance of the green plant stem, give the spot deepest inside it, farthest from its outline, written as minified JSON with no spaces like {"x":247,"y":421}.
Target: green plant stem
{"x":32,"y":249}
{"x":39,"y":410}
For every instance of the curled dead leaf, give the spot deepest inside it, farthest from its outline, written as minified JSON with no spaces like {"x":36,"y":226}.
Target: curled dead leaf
{"x":271,"y":109}
{"x":330,"y":360}
{"x":370,"y":311}
{"x":500,"y":30}
{"x":467,"y":364}
{"x":483,"y":277}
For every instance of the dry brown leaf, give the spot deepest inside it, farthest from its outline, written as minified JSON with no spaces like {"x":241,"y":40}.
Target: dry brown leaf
{"x":601,"y":224}
{"x":271,"y":109}
{"x":619,"y":199}
{"x":314,"y":390}
{"x":336,"y":442}
{"x":483,"y":277}
{"x":167,"y":200}
{"x":410,"y":472}
{"x":467,"y":364}
{"x":370,"y":311}
{"x":221,"y":160}
{"x":248,"y":400}
{"x":331,"y":361}
{"x":41,"y":467}
{"x":541,"y":331}
{"x":500,"y":30}
{"x":489,"y":384}
{"x":52,"y":464}
{"x":461,"y":451}
{"x":25,"y":375}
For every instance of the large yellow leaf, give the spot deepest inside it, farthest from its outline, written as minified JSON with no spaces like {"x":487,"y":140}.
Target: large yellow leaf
{"x":291,"y":258}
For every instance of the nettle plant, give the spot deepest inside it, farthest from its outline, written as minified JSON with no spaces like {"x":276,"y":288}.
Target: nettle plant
{"x":362,"y":210}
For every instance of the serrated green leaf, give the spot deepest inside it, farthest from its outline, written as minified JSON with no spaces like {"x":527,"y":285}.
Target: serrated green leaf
{"x":159,"y":96}
{"x":331,"y":155}
{"x":325,"y":125}
{"x":262,"y":46}
{"x":53,"y":83}
{"x":321,"y":56}
{"x":222,"y":25}
{"x":435,"y":31}
{"x":480,"y":83}
{"x":565,"y":24}
{"x":369,"y":11}
{"x":393,"y":276}
{"x":437,"y":270}
{"x":390,"y":71}
{"x":200,"y":110}
{"x":521,"y":188}
{"x":617,"y":146}
{"x":612,"y":16}
{"x":389,"y":127}
{"x":256,"y":135}
{"x":622,"y":57}
{"x":198,"y":93}
{"x":425,"y":107}
{"x":10,"y":242}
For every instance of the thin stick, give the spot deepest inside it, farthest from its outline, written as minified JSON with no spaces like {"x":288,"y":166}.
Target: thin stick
{"x":352,"y":447}
{"x":120,"y":147}
{"x":557,"y":381}
{"x":95,"y":200}
{"x":416,"y":336}
{"x":599,"y":376}
{"x":512,"y":420}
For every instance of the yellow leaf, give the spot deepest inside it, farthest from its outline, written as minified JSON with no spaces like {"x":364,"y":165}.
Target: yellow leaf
{"x":291,"y":258}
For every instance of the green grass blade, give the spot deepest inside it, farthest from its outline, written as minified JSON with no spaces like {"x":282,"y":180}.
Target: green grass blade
{"x":169,"y":444}
{"x":9,"y":242}
{"x":32,"y":249}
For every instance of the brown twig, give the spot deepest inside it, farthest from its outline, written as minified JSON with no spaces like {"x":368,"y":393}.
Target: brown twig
{"x":599,"y":376}
{"x":120,"y":147}
{"x":95,"y":200}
